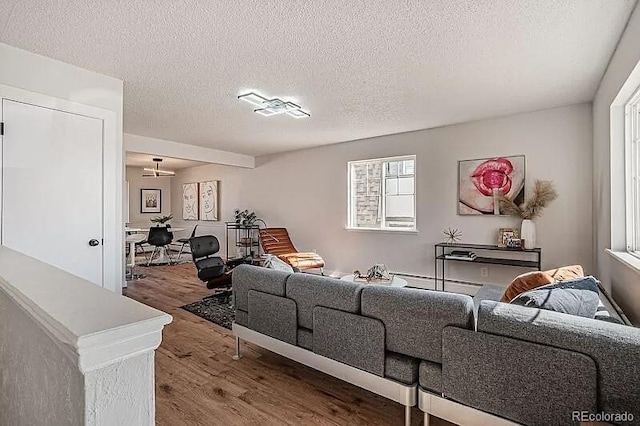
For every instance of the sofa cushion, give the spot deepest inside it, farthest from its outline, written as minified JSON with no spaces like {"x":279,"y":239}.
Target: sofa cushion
{"x":272,"y":315}
{"x":525,"y":382}
{"x":574,"y":297}
{"x":401,"y":368}
{"x":349,"y":338}
{"x":615,"y":348}
{"x":310,"y":291}
{"x":532,"y":280}
{"x":414,"y":318}
{"x":430,"y":374}
{"x":305,"y":338}
{"x":242,"y":318}
{"x":307,"y":260}
{"x":246,"y":277}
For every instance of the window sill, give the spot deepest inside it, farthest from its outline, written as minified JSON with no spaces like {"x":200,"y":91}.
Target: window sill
{"x":626,"y":258}
{"x":384,"y":230}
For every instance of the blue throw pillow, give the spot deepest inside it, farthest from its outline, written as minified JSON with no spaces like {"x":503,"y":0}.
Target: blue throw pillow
{"x":578,"y":297}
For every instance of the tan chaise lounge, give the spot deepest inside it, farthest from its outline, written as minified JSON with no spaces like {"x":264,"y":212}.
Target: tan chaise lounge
{"x":276,"y":241}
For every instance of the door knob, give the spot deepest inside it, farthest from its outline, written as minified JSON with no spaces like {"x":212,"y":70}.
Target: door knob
{"x":94,"y":242}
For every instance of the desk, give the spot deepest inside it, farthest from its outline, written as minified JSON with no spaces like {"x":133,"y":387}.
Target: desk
{"x":395,"y":282}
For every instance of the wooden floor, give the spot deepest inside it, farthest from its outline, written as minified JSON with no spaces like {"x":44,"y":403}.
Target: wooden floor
{"x":197,"y":382}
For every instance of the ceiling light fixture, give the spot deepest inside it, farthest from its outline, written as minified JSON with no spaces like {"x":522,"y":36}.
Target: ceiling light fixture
{"x":275,"y":106}
{"x":156,"y":172}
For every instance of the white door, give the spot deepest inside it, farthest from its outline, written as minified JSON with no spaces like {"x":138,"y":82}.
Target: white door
{"x":52,"y":189}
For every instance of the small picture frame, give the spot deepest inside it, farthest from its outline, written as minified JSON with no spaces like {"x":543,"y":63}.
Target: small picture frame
{"x":150,"y":200}
{"x":506,"y":234}
{"x":515,"y":243}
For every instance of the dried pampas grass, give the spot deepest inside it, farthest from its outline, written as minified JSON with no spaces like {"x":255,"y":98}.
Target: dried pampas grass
{"x":543,"y":194}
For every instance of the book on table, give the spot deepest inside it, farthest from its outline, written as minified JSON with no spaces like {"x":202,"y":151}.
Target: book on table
{"x":461,"y":255}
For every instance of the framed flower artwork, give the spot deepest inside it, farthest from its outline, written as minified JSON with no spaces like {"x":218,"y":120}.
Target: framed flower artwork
{"x":482,"y":182}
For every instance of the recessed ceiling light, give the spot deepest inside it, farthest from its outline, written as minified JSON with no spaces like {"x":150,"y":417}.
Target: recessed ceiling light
{"x":275,"y":106}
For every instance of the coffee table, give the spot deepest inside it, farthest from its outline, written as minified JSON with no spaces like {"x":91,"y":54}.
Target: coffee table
{"x":395,"y":282}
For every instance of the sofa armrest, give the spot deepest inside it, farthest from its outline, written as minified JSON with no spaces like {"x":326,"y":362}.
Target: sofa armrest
{"x":524,"y":382}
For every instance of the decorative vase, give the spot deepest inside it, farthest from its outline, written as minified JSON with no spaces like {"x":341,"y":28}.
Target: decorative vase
{"x":528,"y":234}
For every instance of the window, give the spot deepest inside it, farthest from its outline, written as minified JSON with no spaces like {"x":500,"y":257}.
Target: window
{"x":382,"y":193}
{"x":632,"y":154}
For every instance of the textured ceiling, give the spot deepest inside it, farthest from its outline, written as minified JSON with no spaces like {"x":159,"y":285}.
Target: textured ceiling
{"x":361,"y":68}
{"x":145,"y":160}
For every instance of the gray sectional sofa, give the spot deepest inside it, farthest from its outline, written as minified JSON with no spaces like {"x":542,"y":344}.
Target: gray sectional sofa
{"x":504,"y":364}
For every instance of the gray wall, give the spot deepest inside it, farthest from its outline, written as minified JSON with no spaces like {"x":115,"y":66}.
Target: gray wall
{"x":306,"y":191}
{"x":137,"y":182}
{"x":608,"y":201}
{"x":230,"y":189}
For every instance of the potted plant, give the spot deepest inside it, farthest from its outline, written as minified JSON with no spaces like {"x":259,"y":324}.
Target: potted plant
{"x":161,"y":220}
{"x":543,"y":194}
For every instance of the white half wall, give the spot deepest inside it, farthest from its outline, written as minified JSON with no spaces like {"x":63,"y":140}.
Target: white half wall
{"x":72,"y":353}
{"x":306,"y":191}
{"x":136,"y":183}
{"x":609,"y":179}
{"x":28,"y":354}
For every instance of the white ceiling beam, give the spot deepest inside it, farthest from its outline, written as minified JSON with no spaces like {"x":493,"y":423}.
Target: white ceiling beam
{"x":164,"y":148}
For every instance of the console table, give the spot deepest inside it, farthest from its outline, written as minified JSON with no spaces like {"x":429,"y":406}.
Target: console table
{"x":490,"y":257}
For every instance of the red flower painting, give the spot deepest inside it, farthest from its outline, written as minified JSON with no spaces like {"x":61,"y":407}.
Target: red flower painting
{"x":493,"y":174}
{"x":479,"y":179}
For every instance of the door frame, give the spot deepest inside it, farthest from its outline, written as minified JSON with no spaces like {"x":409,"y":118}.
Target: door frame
{"x":112,"y":229}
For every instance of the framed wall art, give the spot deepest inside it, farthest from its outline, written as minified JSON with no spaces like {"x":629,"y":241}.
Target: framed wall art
{"x":190,"y":201}
{"x":505,"y":235}
{"x":209,"y":200}
{"x":482,"y":182}
{"x":150,"y":200}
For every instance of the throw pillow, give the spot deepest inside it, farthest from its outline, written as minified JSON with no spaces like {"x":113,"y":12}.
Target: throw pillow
{"x":532,"y":280}
{"x":578,"y":297}
{"x":526,"y":282}
{"x":566,"y":273}
{"x":273,"y":262}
